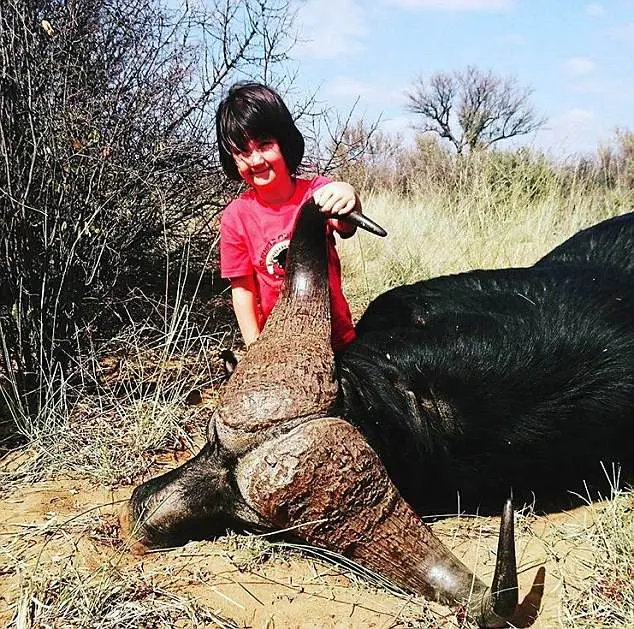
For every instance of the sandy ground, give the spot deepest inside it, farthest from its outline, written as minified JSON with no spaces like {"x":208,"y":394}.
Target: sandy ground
{"x":61,"y":558}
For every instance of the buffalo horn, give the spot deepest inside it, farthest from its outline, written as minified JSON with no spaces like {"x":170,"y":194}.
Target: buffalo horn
{"x":324,"y":482}
{"x":295,"y":467}
{"x":317,"y":474}
{"x":361,"y":220}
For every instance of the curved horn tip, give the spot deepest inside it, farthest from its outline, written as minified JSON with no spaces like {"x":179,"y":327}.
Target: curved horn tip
{"x":500,"y":602}
{"x":506,"y":543}
{"x":361,"y":220}
{"x":504,"y":588}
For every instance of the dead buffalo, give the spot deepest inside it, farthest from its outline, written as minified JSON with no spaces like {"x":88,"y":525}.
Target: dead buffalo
{"x":503,"y":380}
{"x":294,"y":439}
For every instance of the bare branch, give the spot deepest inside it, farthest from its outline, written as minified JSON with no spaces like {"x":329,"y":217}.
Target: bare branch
{"x":107,"y":153}
{"x":473,"y":109}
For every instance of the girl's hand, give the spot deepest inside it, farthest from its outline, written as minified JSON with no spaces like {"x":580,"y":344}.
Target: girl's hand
{"x":338,"y":198}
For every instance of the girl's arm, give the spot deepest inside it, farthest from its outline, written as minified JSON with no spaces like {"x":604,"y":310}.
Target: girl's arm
{"x":243,"y":296}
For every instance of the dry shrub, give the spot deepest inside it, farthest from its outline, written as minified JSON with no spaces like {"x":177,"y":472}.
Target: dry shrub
{"x":109,"y":170}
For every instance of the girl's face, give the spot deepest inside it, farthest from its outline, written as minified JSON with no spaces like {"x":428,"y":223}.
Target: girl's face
{"x":262,"y":165}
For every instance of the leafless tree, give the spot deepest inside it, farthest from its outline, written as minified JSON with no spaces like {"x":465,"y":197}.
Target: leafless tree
{"x":363,"y":155}
{"x":473,"y":109}
{"x":107,"y":152}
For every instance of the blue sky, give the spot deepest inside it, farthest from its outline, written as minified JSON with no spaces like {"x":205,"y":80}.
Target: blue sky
{"x":577,"y":56}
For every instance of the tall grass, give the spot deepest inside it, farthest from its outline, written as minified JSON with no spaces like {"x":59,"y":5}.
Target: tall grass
{"x":132,"y":400}
{"x":492,"y":211}
{"x":134,"y":395}
{"x":606,"y":597}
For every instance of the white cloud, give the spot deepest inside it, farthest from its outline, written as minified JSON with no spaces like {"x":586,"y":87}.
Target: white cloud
{"x":330,"y":29}
{"x":455,"y":5}
{"x":575,"y":130}
{"x":579,"y":66}
{"x":594,"y":9}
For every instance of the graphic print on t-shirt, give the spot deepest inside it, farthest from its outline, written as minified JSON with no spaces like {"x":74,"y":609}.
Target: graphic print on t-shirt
{"x":274,"y":255}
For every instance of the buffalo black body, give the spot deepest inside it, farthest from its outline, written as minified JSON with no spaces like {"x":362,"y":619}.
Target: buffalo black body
{"x":521,"y":380}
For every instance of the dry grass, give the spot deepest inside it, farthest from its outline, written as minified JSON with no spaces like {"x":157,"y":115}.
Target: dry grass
{"x":136,"y":401}
{"x":76,"y":600}
{"x":606,"y":596}
{"x":432,"y":235}
{"x":74,"y":571}
{"x":63,"y":590}
{"x":65,"y":566}
{"x":137,"y":417}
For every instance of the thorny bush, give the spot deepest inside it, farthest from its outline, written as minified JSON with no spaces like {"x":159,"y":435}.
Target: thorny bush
{"x":107,"y":164}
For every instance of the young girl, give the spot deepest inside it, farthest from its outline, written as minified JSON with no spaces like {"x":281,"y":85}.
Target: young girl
{"x":260,"y":144}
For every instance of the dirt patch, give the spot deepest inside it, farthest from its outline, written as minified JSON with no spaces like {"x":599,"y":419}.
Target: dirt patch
{"x":62,"y":562}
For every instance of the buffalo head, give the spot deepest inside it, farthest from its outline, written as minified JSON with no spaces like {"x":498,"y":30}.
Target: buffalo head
{"x":279,"y":457}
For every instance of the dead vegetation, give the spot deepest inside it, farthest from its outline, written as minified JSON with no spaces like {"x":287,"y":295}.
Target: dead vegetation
{"x":106,"y":384}
{"x":63,"y":565}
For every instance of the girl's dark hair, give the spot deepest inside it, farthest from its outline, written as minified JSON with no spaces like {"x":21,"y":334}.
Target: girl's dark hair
{"x":252,"y":111}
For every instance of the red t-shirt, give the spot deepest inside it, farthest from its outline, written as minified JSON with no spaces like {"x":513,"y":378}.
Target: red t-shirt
{"x":254,"y":238}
